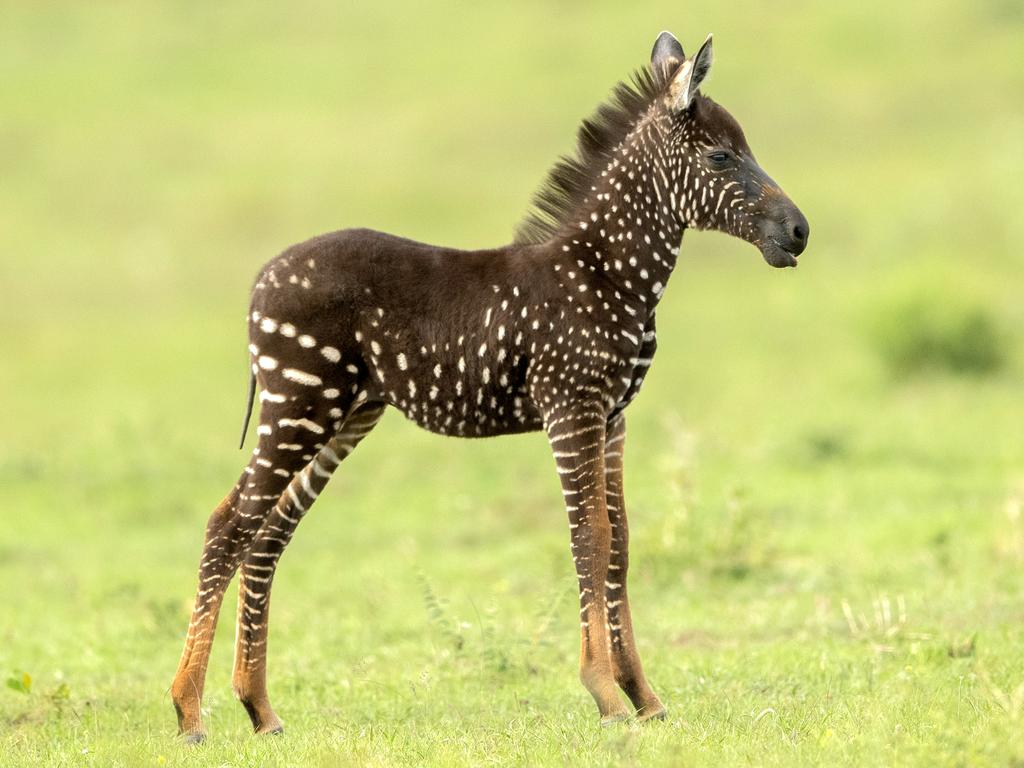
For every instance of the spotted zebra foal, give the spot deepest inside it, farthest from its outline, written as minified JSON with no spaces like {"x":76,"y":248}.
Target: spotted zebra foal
{"x":554,"y":331}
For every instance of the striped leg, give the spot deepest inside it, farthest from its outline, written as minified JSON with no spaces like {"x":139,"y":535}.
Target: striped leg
{"x":257,"y":571}
{"x":577,"y":440}
{"x":229,"y":534}
{"x":629,"y":673}
{"x":187,"y":688}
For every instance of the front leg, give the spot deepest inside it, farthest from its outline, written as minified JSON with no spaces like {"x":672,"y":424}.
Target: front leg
{"x":629,"y":672}
{"x":577,"y":440}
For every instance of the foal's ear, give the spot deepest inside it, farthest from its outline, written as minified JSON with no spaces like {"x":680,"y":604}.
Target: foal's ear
{"x":686,"y":82}
{"x":666,"y":56}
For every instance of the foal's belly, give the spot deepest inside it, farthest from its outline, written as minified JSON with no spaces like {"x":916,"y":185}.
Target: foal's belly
{"x":481,"y":411}
{"x":485,"y":425}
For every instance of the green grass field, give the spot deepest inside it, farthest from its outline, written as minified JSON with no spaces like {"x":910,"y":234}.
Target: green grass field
{"x":828,"y":529}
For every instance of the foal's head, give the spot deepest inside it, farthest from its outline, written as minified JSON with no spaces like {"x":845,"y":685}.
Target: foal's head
{"x":723,"y":187}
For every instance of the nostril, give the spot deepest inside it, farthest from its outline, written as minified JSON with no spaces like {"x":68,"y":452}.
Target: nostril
{"x":799,"y":233}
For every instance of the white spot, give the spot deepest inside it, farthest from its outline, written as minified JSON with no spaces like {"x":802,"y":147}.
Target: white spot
{"x":287,"y":329}
{"x":303,"y":423}
{"x":267,"y":325}
{"x":267,"y":363}
{"x":403,"y":364}
{"x":331,"y":354}
{"x":301,"y":377}
{"x":331,"y":394}
{"x":307,"y":341}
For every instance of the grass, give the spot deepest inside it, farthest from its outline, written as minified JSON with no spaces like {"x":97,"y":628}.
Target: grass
{"x":923,"y":327}
{"x":827,"y":559}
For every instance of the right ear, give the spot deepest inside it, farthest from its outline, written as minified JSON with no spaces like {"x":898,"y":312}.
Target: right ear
{"x":689,"y":77}
{"x":666,"y":56}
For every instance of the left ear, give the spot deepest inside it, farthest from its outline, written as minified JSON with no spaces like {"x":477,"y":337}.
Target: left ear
{"x":686,"y":82}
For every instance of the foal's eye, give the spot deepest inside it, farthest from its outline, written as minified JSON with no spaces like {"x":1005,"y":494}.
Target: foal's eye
{"x":718,"y":157}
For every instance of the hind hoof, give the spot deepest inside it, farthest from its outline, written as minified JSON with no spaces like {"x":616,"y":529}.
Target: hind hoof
{"x":192,"y":739}
{"x":655,"y":711}
{"x":611,"y":720}
{"x":655,"y":714}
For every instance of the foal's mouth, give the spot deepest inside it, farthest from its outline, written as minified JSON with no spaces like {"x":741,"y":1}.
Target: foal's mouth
{"x":776,"y":255}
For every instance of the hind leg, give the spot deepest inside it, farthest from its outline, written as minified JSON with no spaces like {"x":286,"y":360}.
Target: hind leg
{"x":257,"y":571}
{"x":229,"y":534}
{"x":187,"y":688}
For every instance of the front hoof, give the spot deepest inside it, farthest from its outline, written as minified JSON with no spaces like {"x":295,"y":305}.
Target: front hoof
{"x":277,"y":730}
{"x":192,"y":739}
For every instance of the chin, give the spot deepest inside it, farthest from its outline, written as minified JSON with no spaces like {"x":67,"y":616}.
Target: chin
{"x":778,"y":256}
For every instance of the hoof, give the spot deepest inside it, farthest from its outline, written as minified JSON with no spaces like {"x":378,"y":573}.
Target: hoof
{"x":660,"y":713}
{"x":192,"y":739}
{"x":277,"y":730}
{"x":610,"y":720}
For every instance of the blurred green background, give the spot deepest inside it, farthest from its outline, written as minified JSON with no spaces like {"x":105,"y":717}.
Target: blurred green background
{"x":825,"y":469}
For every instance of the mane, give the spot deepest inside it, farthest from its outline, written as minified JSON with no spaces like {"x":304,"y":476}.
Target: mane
{"x":568,"y":183}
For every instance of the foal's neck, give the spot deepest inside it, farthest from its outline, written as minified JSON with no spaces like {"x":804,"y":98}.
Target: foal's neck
{"x":628,"y":228}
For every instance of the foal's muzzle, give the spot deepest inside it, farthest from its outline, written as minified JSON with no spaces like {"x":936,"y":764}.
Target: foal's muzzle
{"x":783,"y":235}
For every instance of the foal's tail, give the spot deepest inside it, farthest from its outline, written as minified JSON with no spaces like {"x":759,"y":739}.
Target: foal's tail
{"x":248,"y":408}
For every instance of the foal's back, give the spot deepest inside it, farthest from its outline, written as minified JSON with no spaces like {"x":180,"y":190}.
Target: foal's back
{"x":355,"y":269}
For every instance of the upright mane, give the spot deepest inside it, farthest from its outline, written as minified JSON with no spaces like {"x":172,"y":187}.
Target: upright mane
{"x":568,"y":183}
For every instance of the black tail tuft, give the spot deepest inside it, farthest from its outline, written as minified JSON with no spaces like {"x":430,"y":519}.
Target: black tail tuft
{"x":248,"y":408}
